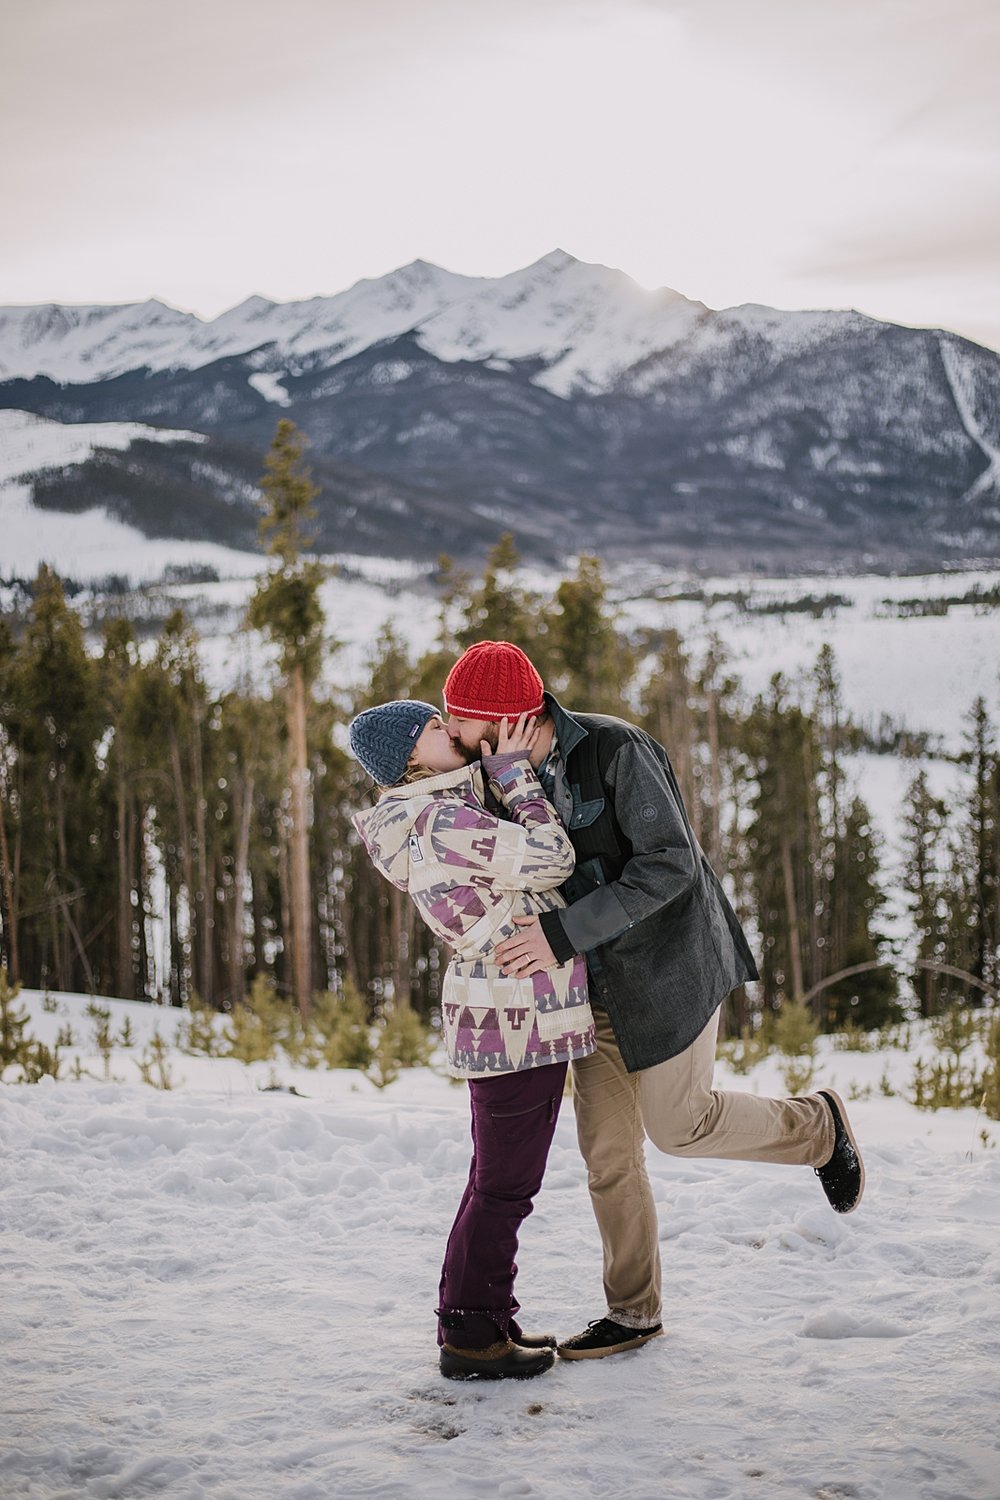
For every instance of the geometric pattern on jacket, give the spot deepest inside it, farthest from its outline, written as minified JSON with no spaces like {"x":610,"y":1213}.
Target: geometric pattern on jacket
{"x":469,"y":873}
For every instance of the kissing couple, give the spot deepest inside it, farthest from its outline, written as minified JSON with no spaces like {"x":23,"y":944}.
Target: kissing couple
{"x":552,"y":851}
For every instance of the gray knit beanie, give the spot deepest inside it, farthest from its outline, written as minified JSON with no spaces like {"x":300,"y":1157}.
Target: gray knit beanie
{"x":383,"y":738}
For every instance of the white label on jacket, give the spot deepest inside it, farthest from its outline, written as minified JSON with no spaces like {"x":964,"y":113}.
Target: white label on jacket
{"x":416,"y":853}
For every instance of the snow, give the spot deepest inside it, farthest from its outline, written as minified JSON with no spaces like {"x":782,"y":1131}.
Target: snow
{"x":29,"y":443}
{"x":587,"y":322}
{"x":923,"y":671}
{"x":96,"y":343}
{"x":92,"y":544}
{"x":221,"y":1294}
{"x":270,"y":387}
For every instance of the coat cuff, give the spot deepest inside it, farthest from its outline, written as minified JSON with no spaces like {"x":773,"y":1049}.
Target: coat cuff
{"x":555,"y":936}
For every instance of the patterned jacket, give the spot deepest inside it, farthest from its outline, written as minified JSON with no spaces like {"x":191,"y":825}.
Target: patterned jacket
{"x":469,"y":874}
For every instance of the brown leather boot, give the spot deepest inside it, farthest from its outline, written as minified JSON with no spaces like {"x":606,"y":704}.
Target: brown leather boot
{"x":503,"y":1360}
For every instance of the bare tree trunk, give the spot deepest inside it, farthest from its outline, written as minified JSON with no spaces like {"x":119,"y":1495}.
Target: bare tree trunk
{"x":299,"y":775}
{"x":124,"y":924}
{"x":205,"y":894}
{"x":187,"y":872}
{"x":257,"y":917}
{"x":791,"y":911}
{"x":237,"y":967}
{"x":715,"y":772}
{"x":147,"y":974}
{"x":399,"y":949}
{"x":62,"y":935}
{"x":284,"y":897}
{"x":10,"y":902}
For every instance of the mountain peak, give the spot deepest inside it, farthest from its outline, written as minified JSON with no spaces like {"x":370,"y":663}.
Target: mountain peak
{"x":556,"y":260}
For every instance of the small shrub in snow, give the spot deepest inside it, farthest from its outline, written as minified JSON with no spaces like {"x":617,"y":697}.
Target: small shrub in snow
{"x":404,"y":1042}
{"x":796,"y":1033}
{"x":950,"y":1079}
{"x":127,"y":1037}
{"x":197,"y":1034}
{"x":39,"y":1063}
{"x":744,"y":1052}
{"x":991,"y":1077}
{"x":103,"y":1039}
{"x":852,"y":1038}
{"x":247,"y":1037}
{"x":17,"y":1048}
{"x":154,"y":1065}
{"x":13,"y":1022}
{"x":280,"y":1019}
{"x":344,"y":1028}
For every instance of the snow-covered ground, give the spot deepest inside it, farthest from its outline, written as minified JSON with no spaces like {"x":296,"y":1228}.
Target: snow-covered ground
{"x":218,"y":1292}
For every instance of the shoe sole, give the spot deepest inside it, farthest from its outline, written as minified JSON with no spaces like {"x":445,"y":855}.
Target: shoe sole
{"x":644,"y":1338}
{"x":850,"y":1136}
{"x":485,"y":1373}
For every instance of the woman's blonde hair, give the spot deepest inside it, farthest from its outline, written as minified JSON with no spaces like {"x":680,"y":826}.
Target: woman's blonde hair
{"x":412,"y":773}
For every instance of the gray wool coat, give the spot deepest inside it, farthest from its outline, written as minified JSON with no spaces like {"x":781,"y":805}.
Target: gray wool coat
{"x":663,"y":944}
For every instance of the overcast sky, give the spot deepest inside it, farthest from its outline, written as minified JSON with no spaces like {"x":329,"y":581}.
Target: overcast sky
{"x":802,"y":153}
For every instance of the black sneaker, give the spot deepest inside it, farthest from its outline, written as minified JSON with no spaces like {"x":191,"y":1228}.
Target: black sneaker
{"x":503,"y":1360}
{"x":604,"y":1337}
{"x":843,"y":1176}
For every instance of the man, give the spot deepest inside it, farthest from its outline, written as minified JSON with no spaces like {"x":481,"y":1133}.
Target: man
{"x":664,"y":948}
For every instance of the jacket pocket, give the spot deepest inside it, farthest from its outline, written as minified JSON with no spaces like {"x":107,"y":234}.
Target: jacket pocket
{"x":586,"y":813}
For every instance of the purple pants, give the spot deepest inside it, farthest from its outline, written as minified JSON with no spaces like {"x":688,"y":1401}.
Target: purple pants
{"x":513,"y":1121}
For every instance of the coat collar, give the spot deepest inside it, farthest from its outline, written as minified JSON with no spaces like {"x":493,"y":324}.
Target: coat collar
{"x":465,"y":778}
{"x":569,"y":731}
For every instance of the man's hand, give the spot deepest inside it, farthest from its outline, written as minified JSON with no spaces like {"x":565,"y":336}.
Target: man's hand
{"x":528,"y":953}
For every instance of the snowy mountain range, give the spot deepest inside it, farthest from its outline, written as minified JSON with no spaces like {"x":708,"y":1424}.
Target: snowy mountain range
{"x":562,"y":402}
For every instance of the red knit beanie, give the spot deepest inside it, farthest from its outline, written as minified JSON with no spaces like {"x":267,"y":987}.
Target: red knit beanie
{"x":493,"y":680}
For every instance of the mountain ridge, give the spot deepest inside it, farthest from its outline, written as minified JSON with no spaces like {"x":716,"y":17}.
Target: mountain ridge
{"x":561,"y":402}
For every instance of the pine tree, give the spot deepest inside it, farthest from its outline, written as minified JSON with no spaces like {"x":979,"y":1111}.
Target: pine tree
{"x":60,"y":862}
{"x":590,"y":663}
{"x":780,"y":741}
{"x":501,"y":609}
{"x":667,"y":713}
{"x":9,"y":953}
{"x":867,"y":1000}
{"x":983,"y":845}
{"x":125,"y":821}
{"x":924,"y":820}
{"x":286,"y":606}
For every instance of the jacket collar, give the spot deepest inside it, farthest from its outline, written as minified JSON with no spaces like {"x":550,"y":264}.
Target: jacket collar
{"x":465,"y":778}
{"x":569,"y":731}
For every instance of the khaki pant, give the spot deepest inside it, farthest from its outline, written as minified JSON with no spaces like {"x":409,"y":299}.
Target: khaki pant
{"x":675,"y":1105}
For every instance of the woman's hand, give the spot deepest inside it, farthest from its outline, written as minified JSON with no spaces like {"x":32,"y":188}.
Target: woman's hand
{"x":520,"y":740}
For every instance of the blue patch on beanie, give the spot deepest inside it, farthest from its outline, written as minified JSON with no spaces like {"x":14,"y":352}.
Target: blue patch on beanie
{"x":382,"y":738}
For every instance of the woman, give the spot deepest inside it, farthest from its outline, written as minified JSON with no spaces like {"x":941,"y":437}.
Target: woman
{"x":470,"y":873}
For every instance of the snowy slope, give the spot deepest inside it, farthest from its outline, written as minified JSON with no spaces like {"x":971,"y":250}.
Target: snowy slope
{"x":586,"y":322}
{"x":95,"y":343}
{"x":91,"y":544}
{"x":218,"y":1294}
{"x":922,"y":672}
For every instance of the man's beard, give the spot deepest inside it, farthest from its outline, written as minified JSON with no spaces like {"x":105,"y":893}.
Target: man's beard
{"x":491,"y":734}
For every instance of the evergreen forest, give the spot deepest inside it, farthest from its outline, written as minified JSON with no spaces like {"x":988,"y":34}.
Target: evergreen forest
{"x":160,"y":841}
